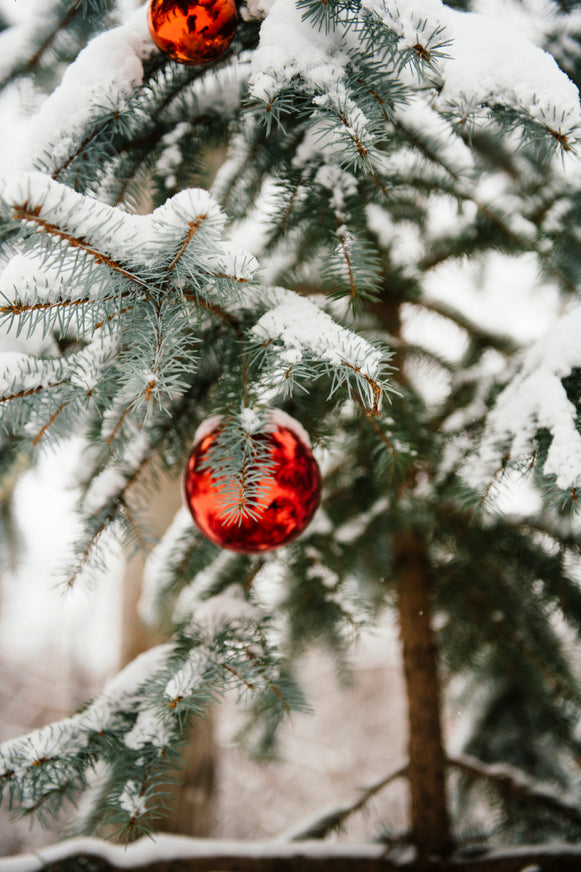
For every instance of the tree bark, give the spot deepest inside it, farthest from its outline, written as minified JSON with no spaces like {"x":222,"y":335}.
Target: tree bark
{"x":193,"y":811}
{"x":430,"y":824}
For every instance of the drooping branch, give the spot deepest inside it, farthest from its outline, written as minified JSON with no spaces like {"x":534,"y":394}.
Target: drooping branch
{"x":118,"y":504}
{"x":333,"y":818}
{"x":512,"y":781}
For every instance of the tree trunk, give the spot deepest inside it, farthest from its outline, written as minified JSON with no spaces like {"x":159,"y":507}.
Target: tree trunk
{"x":430,"y":825}
{"x":193,"y":812}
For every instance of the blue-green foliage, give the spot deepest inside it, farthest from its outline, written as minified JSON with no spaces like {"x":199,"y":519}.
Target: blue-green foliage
{"x":154,"y":316}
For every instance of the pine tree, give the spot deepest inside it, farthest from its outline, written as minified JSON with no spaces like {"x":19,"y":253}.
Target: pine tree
{"x":368,"y":157}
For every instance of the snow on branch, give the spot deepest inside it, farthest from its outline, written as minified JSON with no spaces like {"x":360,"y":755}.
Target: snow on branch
{"x":108,"y":233}
{"x":487,"y":64}
{"x":295,"y":330}
{"x":195,"y":855}
{"x":173,"y":853}
{"x":476,"y":65}
{"x":47,"y":764}
{"x":108,"y":255}
{"x":104,"y":74}
{"x":508,"y":779}
{"x":24,"y":43}
{"x":22,"y":375}
{"x":135,"y":726}
{"x":536,"y":399}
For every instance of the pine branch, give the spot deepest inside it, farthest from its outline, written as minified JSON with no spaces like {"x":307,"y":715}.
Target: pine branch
{"x":505,"y":344}
{"x":332,"y":819}
{"x":32,"y":216}
{"x":193,"y":226}
{"x":28,"y":392}
{"x":116,"y":503}
{"x":464,"y":192}
{"x":217,"y":310}
{"x":509,"y":780}
{"x":28,"y":63}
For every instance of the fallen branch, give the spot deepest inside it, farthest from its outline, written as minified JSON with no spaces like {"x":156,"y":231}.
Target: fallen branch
{"x":180,"y":854}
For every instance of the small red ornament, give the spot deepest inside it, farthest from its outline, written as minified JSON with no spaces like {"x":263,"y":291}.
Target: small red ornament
{"x":192,"y":31}
{"x":288,"y":496}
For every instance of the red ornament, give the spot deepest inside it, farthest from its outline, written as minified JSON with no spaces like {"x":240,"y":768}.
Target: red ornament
{"x":288,"y":496}
{"x":192,"y":31}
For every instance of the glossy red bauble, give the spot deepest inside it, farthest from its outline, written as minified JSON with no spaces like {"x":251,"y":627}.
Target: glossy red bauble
{"x":289,"y":495}
{"x":192,"y":31}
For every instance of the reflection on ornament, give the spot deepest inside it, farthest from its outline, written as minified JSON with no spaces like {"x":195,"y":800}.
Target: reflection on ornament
{"x":192,"y":31}
{"x":289,"y":495}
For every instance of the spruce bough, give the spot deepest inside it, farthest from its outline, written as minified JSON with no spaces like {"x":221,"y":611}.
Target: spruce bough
{"x":383,"y":169}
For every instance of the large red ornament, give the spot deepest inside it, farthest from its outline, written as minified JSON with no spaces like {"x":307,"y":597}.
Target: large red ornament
{"x":192,"y":31}
{"x":289,"y":495}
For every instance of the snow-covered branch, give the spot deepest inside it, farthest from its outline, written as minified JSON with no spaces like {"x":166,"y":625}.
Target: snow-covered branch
{"x":508,"y":779}
{"x":179,"y":854}
{"x":295,"y":330}
{"x":333,"y":818}
{"x":535,"y":400}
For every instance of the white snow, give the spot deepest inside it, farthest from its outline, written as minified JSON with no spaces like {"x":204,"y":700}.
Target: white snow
{"x":70,"y":735}
{"x":23,"y":372}
{"x":300,"y":324}
{"x":498,"y":293}
{"x":352,"y":530}
{"x":489,"y":61}
{"x":188,"y":677}
{"x":129,"y":680}
{"x":167,"y":848}
{"x":136,"y":239}
{"x":18,"y":41}
{"x":403,"y":239}
{"x":535,"y":398}
{"x":425,"y":122}
{"x":229,"y":606}
{"x":131,"y":801}
{"x":104,"y":75}
{"x":268,"y":588}
{"x":288,"y":47}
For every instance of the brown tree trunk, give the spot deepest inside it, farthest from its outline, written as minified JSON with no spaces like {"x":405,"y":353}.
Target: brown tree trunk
{"x":430,"y":823}
{"x":193,"y":812}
